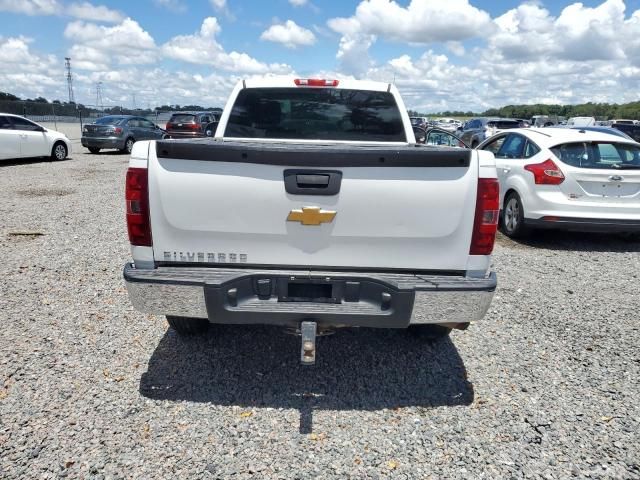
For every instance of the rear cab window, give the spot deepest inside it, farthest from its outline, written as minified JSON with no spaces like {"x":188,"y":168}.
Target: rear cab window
{"x":599,"y":155}
{"x":316,"y":114}
{"x":182,"y":118}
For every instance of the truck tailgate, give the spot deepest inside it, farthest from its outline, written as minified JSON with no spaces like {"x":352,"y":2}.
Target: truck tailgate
{"x":401,"y":207}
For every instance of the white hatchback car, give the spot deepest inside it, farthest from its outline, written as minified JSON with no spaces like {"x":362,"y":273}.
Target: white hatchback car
{"x":565,"y":178}
{"x":22,"y":138}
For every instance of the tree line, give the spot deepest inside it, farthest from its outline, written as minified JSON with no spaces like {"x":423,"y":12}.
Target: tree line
{"x":601,"y":111}
{"x":10,"y":103}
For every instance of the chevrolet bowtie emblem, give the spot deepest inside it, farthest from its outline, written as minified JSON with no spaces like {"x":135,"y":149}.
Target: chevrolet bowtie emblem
{"x":311,"y":216}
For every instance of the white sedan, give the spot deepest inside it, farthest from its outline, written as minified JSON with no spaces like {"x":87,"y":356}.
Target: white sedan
{"x":565,"y":178}
{"x":22,"y":138}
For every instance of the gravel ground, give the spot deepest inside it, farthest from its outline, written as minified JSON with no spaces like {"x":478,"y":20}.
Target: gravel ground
{"x":545,"y":387}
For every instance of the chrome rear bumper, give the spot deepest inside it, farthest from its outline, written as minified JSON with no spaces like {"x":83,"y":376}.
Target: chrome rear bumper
{"x":368,"y":299}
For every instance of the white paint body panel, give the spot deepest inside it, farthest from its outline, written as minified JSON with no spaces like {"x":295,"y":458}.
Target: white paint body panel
{"x":413,"y":218}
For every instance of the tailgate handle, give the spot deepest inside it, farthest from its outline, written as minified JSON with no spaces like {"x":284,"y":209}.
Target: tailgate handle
{"x":312,"y":182}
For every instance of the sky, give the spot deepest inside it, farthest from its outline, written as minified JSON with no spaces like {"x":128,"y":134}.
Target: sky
{"x":442,"y":55}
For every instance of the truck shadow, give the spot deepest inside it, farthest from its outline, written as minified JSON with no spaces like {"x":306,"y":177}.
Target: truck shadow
{"x":356,"y":369}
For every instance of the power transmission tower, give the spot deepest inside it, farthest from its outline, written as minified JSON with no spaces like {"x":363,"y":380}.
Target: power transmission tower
{"x":99,"y":104}
{"x":67,"y":64}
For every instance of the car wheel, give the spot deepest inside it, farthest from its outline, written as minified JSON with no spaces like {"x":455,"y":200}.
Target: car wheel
{"x":94,"y":149}
{"x":187,"y":325}
{"x":59,"y":151}
{"x":128,"y":145}
{"x":429,"y":332}
{"x":512,"y":221}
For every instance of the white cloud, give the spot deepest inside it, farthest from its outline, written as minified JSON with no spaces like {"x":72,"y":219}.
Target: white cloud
{"x":26,"y":73}
{"x":298,"y":3}
{"x":422,"y":21}
{"x":98,"y":13}
{"x":31,"y":7}
{"x":203,"y":48}
{"x":289,"y":34}
{"x":219,"y":5}
{"x":98,"y":45}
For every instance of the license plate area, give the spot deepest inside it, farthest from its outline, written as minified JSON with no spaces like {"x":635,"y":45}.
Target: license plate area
{"x":309,"y":290}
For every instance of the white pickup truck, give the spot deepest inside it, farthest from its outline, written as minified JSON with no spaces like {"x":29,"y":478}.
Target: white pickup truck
{"x":313,"y":208}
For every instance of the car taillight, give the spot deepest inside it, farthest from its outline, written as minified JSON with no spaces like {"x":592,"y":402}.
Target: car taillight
{"x":546,"y":173}
{"x":485,"y":223}
{"x":315,"y":82}
{"x":167,"y":126}
{"x":193,"y":126}
{"x":137,"y":197}
{"x":117,"y":130}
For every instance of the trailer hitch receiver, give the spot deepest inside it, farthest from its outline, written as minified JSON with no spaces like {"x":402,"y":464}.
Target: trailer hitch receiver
{"x":308,"y":343}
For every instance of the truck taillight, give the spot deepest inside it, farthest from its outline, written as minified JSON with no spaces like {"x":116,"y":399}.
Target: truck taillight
{"x":137,"y":197}
{"x":167,"y":126}
{"x":486,"y":219}
{"x":546,"y":173}
{"x":315,"y":82}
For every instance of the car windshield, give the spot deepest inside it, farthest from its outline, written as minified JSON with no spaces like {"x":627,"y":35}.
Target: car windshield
{"x":600,"y":155}
{"x":316,"y":113}
{"x":182,"y":118}
{"x":109,"y":121}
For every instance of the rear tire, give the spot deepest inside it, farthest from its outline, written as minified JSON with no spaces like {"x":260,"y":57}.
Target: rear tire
{"x":430,"y":332}
{"x":187,"y":325}
{"x":512,"y":222}
{"x":59,"y":151}
{"x":128,"y":145}
{"x":94,"y":149}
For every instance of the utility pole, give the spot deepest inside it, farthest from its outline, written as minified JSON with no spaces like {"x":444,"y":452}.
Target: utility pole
{"x":67,"y":64}
{"x":99,"y":105}
{"x":134,"y":101}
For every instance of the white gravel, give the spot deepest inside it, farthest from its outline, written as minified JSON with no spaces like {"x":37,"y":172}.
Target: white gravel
{"x":546,"y":387}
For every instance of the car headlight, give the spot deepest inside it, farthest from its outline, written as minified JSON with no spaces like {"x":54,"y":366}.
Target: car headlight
{"x":85,"y":130}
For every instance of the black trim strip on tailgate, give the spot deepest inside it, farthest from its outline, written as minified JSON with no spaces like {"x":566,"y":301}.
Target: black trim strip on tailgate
{"x":329,"y":155}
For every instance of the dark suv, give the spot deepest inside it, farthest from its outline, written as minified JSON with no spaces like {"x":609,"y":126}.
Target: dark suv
{"x":192,"y":125}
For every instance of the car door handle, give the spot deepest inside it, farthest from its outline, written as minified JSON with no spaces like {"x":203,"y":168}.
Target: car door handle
{"x":506,"y":170}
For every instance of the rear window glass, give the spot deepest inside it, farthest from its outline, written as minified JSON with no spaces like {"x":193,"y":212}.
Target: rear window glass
{"x":109,"y":120}
{"x":182,"y":118}
{"x":503,"y":124}
{"x":316,"y":114}
{"x":598,"y":155}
